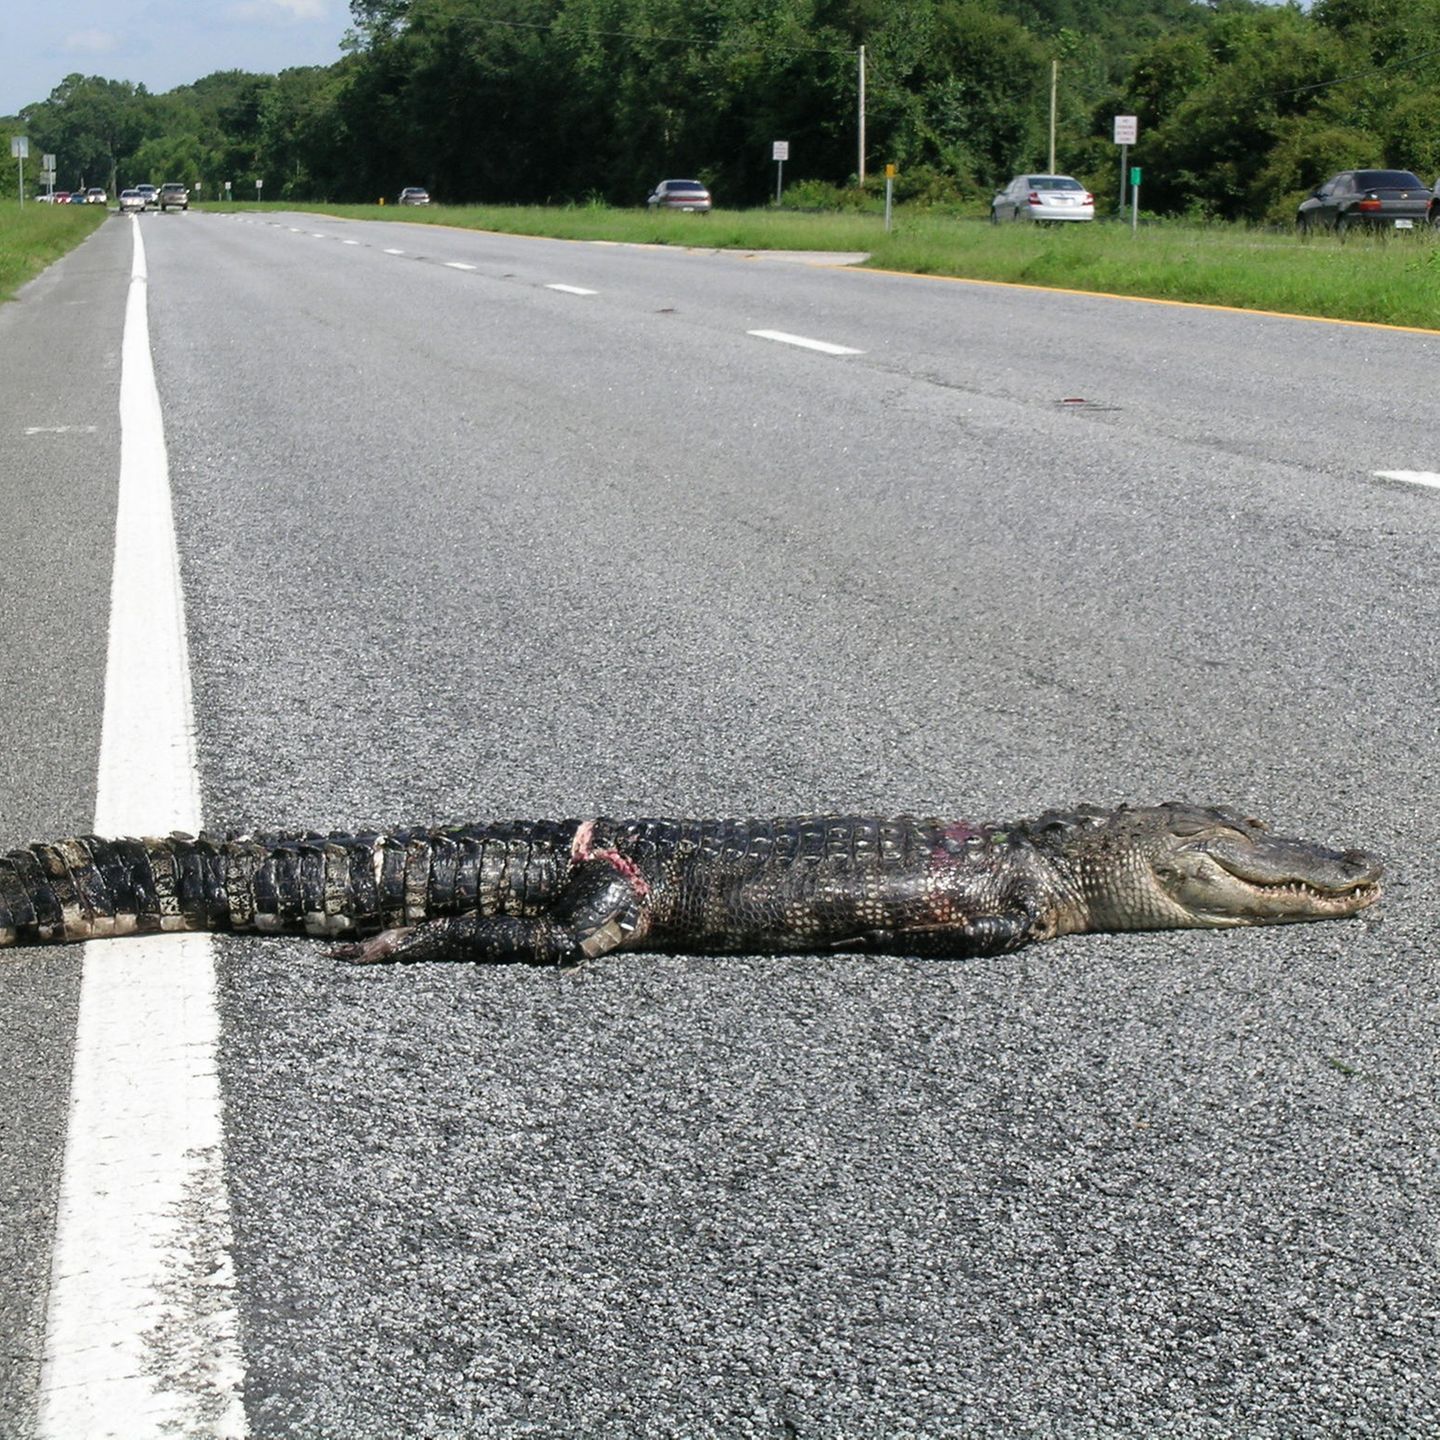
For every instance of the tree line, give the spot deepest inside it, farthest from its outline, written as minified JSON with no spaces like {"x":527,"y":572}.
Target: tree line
{"x":1242,"y":105}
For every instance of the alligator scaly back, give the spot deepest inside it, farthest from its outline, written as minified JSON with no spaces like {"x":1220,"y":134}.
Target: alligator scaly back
{"x":561,"y":891}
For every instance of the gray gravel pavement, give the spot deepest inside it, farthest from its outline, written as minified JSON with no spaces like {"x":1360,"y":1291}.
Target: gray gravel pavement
{"x":456,"y":544}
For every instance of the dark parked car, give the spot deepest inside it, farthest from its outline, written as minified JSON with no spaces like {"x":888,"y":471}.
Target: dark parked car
{"x":1435,"y":204}
{"x":1376,"y":199}
{"x":680,"y":195}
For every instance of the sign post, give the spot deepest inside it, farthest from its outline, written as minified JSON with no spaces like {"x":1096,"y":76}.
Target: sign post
{"x":779,"y":153}
{"x":20,"y":148}
{"x":1127,"y":128}
{"x":259,"y":185}
{"x":228,"y":196}
{"x":889,"y":193}
{"x":47,"y":174}
{"x":1134,"y":197}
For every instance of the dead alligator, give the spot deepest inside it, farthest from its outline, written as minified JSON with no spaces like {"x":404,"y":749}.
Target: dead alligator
{"x":561,"y":891}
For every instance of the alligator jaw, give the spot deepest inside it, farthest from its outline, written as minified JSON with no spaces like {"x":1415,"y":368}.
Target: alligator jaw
{"x":1323,"y":885}
{"x":1187,"y":866}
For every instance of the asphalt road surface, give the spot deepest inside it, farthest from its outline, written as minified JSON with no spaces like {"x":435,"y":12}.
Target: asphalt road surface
{"x":456,"y":543}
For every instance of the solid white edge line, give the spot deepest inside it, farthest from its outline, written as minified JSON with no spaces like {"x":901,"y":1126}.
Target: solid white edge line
{"x":572,"y":289}
{"x":823,"y":346}
{"x":141,"y":1335}
{"x":1411,"y":477}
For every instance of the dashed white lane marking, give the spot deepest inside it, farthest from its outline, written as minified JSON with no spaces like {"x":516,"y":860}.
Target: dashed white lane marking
{"x":805,"y":343}
{"x":1412,"y":477}
{"x":394,"y":252}
{"x":141,"y":1331}
{"x":459,"y":265}
{"x":572,"y":289}
{"x":60,"y":429}
{"x":349,"y":242}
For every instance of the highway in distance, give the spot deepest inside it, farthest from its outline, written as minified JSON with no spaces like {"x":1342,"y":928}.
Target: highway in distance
{"x":473,"y":526}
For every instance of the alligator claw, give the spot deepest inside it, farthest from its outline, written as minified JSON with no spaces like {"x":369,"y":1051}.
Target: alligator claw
{"x":374,"y":951}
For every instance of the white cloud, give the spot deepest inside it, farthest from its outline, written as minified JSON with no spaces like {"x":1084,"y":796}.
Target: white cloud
{"x":90,"y":42}
{"x":266,"y":11}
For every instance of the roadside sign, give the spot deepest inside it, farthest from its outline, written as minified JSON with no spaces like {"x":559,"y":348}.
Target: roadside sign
{"x":47,"y":162}
{"x":20,"y":148}
{"x":1134,"y":174}
{"x":780,"y":150}
{"x":1127,"y":127}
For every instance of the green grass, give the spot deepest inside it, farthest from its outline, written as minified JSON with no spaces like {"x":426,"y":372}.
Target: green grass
{"x":1391,"y":280}
{"x":35,"y":236}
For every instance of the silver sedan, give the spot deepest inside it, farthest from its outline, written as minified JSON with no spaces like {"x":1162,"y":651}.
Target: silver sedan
{"x":1043,"y":197}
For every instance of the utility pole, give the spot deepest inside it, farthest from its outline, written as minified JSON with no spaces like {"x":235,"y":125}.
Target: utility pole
{"x":860,"y":168}
{"x":1054,"y":83}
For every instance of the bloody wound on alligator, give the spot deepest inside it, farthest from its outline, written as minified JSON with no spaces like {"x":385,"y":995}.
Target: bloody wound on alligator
{"x":558,"y":892}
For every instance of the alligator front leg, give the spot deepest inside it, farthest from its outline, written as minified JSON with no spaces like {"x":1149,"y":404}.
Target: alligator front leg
{"x":598,"y":910}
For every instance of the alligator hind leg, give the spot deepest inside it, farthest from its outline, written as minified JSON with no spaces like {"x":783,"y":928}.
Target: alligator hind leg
{"x":596,"y":912}
{"x":497,"y":939}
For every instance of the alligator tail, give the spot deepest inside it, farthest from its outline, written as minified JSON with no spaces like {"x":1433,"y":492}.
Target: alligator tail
{"x":338,"y":884}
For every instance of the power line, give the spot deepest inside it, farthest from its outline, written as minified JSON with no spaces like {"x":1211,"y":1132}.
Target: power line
{"x":1345,"y":79}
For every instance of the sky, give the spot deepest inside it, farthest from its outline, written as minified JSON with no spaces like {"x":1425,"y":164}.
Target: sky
{"x":158,"y":43}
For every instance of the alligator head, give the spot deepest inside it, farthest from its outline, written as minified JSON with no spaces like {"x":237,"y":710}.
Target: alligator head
{"x":1184,"y":865}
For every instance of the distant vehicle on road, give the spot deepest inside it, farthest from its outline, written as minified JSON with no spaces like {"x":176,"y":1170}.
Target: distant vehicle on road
{"x":1435,"y":204}
{"x":96,"y":196}
{"x":152,"y":196}
{"x":132,"y":202}
{"x":688,"y":195}
{"x":62,"y":197}
{"x":414,"y":195}
{"x":174,"y":196}
{"x":1375,"y":199}
{"x":1044,"y":198}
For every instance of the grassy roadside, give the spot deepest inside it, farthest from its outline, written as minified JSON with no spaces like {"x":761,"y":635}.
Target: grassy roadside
{"x":36,"y":236}
{"x":1391,"y":280}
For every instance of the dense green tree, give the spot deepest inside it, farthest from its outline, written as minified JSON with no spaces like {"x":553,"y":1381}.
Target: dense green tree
{"x":1243,"y":105}
{"x":92,"y":126}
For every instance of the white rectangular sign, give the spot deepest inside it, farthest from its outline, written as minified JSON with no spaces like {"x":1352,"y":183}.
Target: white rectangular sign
{"x":780,"y":150}
{"x":1126,"y":129}
{"x":20,"y":146}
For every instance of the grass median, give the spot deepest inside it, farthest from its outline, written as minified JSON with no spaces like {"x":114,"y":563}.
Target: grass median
{"x":35,"y":235}
{"x":1385,"y":279}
